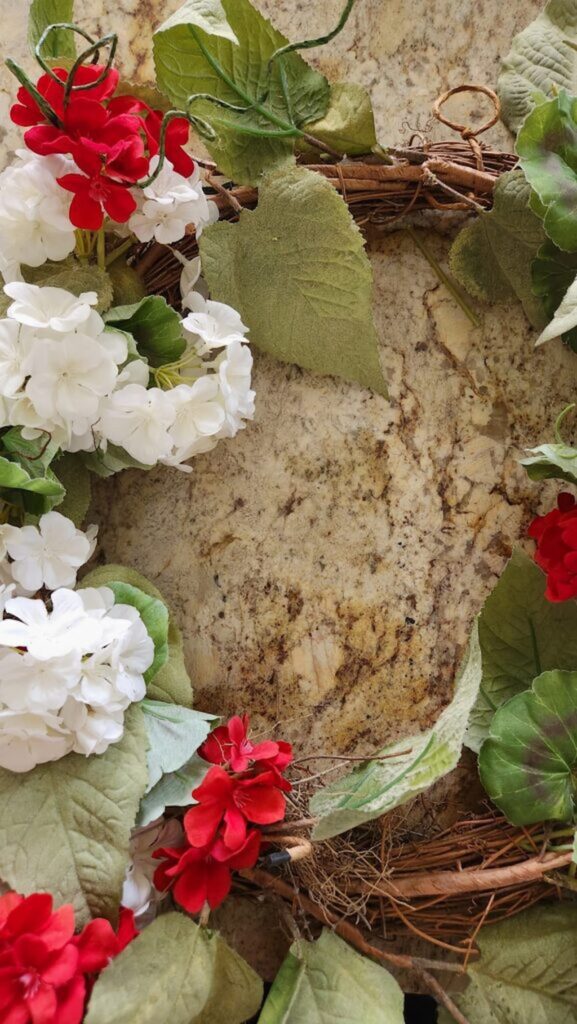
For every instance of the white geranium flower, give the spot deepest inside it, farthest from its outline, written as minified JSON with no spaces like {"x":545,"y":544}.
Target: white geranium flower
{"x":7,"y":589}
{"x":68,"y":378}
{"x":34,"y":210}
{"x":48,"y":554}
{"x":93,"y":729}
{"x":14,"y":350}
{"x":135,"y":372}
{"x":28,"y":739}
{"x":27,"y":684}
{"x":53,"y":634}
{"x":234,"y":374}
{"x":170,"y":204}
{"x":164,"y":223}
{"x":97,"y":685}
{"x":138,"y":420}
{"x":189,"y":276}
{"x":213,"y":324}
{"x":48,"y":308}
{"x":170,"y":186}
{"x":132,"y":655}
{"x":198,"y":410}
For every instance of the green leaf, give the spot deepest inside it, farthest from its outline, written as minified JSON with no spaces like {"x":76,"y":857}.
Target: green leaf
{"x":349,"y":124}
{"x":224,"y":50}
{"x":76,"y":480}
{"x":527,"y":971}
{"x":552,"y":462}
{"x":174,"y":735}
{"x":528,"y":764}
{"x":25,"y":473}
{"x":491,"y":257}
{"x":297,"y":271}
{"x":113,"y":460}
{"x":172,"y":682}
{"x":553,"y":272}
{"x":565,"y":318}
{"x":407,"y":767}
{"x":43,"y":13}
{"x":15,"y":477}
{"x":326,"y":981}
{"x":74,"y":277}
{"x":154,"y":615}
{"x":542,"y":60}
{"x":521,"y":635}
{"x":176,"y":973}
{"x":173,"y":790}
{"x":155,"y":327}
{"x":65,"y":826}
{"x":547,"y":148}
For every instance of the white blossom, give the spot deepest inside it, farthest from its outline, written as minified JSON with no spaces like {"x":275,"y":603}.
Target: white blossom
{"x":27,"y":684}
{"x":234,"y":375}
{"x":14,"y":351}
{"x":48,"y":554}
{"x":68,"y":378}
{"x":34,"y":211}
{"x":28,"y":739}
{"x":93,"y":729}
{"x":139,"y":420}
{"x":212,"y":324}
{"x":49,"y":634}
{"x":169,"y":204}
{"x":138,"y":892}
{"x":53,"y":309}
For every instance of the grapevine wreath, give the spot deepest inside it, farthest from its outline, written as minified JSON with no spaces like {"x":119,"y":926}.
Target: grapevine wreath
{"x":144,"y":237}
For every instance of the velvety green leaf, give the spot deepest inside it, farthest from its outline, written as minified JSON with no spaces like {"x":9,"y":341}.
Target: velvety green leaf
{"x":65,"y":826}
{"x":127,"y":286}
{"x":547,"y":148}
{"x":172,"y":682}
{"x":411,"y":765}
{"x":349,"y":124}
{"x":14,"y":476}
{"x":174,"y":735}
{"x":327,"y":981}
{"x":297,"y":270}
{"x":224,"y":50}
{"x":528,"y":764}
{"x":552,"y":462}
{"x":521,"y":635}
{"x":113,"y":460}
{"x":155,"y":327}
{"x":173,"y":790}
{"x":154,"y":615}
{"x":176,"y":973}
{"x":527,"y":971}
{"x":542,"y":60}
{"x":75,"y":478}
{"x":73,"y":276}
{"x":491,"y":256}
{"x":553,"y":272}
{"x":43,"y":13}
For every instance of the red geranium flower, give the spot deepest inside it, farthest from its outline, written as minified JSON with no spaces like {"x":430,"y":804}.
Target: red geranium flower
{"x":232,"y":801}
{"x":229,"y":744}
{"x":202,"y":874}
{"x":94,"y":196}
{"x":26,"y":111}
{"x":43,"y":965}
{"x":556,"y":537}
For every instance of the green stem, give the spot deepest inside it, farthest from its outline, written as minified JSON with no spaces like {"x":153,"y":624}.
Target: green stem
{"x":120,"y":250}
{"x":443,"y":277}
{"x":307,"y":44}
{"x":101,"y":249}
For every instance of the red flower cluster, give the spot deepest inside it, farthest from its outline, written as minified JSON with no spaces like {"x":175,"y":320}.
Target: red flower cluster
{"x":556,"y":537}
{"x":46,"y":971}
{"x":243,"y":788}
{"x":110,"y":138}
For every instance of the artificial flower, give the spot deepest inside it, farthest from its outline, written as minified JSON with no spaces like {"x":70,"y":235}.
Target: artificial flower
{"x":212,"y":324}
{"x":28,"y":739}
{"x":34,"y":211}
{"x":199,"y":412}
{"x":26,"y":112}
{"x":14,"y":350}
{"x":556,"y":538}
{"x":52,"y":309}
{"x":230,"y":745}
{"x":234,"y":375}
{"x":27,"y":684}
{"x":49,"y":634}
{"x":68,"y":378}
{"x":170,"y":203}
{"x":202,"y":874}
{"x":93,"y":729}
{"x":138,"y":891}
{"x":49,"y":554}
{"x":232,"y":802}
{"x":95,"y":196}
{"x":139,"y":420}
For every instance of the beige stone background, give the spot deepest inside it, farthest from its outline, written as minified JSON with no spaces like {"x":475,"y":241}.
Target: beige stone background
{"x":326,"y":565}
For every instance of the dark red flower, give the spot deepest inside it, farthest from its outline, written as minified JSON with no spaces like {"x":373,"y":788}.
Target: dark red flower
{"x":175,"y":139}
{"x":202,"y":874}
{"x":229,"y":744}
{"x":556,"y":538}
{"x":26,"y":111}
{"x":43,"y":965}
{"x":93,"y":197}
{"x":232,"y":801}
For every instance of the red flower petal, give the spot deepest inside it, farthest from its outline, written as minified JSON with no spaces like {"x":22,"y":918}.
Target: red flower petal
{"x":218,"y":883}
{"x":97,"y":945}
{"x":71,"y":1000}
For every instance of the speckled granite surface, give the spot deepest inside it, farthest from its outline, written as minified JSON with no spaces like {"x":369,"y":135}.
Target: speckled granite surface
{"x":327,"y":564}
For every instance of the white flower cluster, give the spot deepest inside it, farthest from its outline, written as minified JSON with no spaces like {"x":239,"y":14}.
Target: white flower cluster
{"x":168,"y":205}
{"x":71,"y":661}
{"x":65,"y":373}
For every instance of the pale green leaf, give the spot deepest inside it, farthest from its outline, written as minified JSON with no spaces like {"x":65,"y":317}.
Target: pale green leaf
{"x":224,"y":50}
{"x":176,"y":973}
{"x":25,"y":472}
{"x":173,"y":790}
{"x":43,"y":13}
{"x":15,"y":477}
{"x":155,"y":327}
{"x":553,"y":272}
{"x":75,"y":478}
{"x":154,"y":614}
{"x":521,"y":635}
{"x":542,"y":60}
{"x":349,"y":124}
{"x":65,"y":826}
{"x":547,"y":148}
{"x":527,"y":971}
{"x":172,"y":682}
{"x":74,"y":277}
{"x":326,"y":981}
{"x":411,"y":765}
{"x":174,"y":734}
{"x":552,"y":462}
{"x":297,"y":270}
{"x":528,"y":764}
{"x":491,"y":257}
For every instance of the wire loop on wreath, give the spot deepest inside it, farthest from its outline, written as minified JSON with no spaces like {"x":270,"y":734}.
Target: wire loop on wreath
{"x":469,"y":134}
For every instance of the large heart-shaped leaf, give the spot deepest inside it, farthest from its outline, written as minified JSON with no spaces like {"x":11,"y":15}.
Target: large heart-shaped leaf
{"x":526,"y":973}
{"x":552,"y":462}
{"x":406,"y":768}
{"x":326,"y":981}
{"x":521,"y":635}
{"x":528,"y":765}
{"x":224,"y":50}
{"x":65,"y":826}
{"x":155,"y":327}
{"x":174,"y":735}
{"x":176,"y":973}
{"x":297,"y":270}
{"x":542,"y":60}
{"x":172,"y":682}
